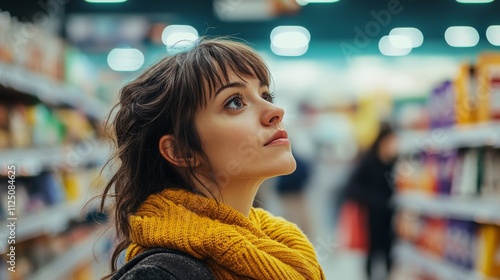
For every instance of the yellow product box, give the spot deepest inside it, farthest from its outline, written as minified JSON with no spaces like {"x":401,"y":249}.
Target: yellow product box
{"x":465,"y":101}
{"x":488,"y":259}
{"x":488,"y":87}
{"x":72,"y":186}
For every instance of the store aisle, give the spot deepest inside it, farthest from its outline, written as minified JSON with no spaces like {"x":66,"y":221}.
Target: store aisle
{"x":321,"y":196}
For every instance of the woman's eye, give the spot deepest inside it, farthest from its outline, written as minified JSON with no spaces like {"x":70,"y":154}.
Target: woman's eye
{"x":235,"y":103}
{"x":268,"y":97}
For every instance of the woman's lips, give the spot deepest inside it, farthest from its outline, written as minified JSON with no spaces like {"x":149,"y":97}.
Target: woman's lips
{"x":280,"y":137}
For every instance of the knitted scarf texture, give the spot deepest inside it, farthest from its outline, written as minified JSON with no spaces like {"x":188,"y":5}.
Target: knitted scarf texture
{"x":231,"y":245}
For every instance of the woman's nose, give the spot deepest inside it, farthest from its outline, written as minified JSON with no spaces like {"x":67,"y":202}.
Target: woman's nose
{"x":273,"y":115}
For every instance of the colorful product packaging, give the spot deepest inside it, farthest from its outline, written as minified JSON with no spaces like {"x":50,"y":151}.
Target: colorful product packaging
{"x":488,"y":87}
{"x":447,"y":112}
{"x":447,"y":163}
{"x":466,"y":174}
{"x":466,"y":106}
{"x":488,"y":254}
{"x":460,"y":246}
{"x":430,"y":175}
{"x":435,"y":235}
{"x":491,"y":180}
{"x":435,"y":104}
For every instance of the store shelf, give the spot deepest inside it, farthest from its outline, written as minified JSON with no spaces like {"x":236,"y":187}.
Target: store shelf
{"x":470,"y":209}
{"x":32,"y":160}
{"x":51,"y":220}
{"x":64,"y":264}
{"x":405,"y":253}
{"x":450,"y":138}
{"x":49,"y":91}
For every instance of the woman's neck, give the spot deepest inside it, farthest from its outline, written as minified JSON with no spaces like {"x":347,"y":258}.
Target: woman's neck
{"x":238,"y":194}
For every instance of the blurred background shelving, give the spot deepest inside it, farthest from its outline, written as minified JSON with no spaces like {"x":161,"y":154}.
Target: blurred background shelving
{"x":455,"y":137}
{"x":447,"y":181}
{"x":486,"y":210}
{"x":69,"y":264}
{"x":437,"y":267}
{"x":50,"y":92}
{"x":50,"y":136}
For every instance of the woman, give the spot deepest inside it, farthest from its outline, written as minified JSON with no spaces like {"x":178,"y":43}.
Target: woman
{"x":371,"y":187}
{"x":196,"y":135}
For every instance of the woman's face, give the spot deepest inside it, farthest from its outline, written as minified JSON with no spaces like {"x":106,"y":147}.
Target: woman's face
{"x":241,"y":133}
{"x":389,"y":148}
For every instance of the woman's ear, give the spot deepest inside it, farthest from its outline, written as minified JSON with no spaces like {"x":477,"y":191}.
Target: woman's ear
{"x":167,"y":150}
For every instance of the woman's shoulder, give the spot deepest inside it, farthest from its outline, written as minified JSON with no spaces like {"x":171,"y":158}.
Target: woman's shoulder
{"x":162,"y":263}
{"x":146,"y":272}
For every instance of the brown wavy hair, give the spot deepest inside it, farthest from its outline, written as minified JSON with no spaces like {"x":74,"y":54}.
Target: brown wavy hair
{"x":163,"y":100}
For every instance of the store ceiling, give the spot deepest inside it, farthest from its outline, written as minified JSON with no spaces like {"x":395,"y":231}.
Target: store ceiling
{"x":333,"y":21}
{"x":326,"y":22}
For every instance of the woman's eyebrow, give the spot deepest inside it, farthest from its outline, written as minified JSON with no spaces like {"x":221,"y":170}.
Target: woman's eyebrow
{"x":231,"y":85}
{"x":236,"y":85}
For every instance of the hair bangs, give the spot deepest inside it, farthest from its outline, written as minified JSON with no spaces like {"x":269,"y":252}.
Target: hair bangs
{"x":215,"y":61}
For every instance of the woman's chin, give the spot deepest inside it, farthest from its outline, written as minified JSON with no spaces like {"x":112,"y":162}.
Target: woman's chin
{"x":287,"y":165}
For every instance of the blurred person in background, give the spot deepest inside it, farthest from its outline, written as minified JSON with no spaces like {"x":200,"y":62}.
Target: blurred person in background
{"x":197,"y":134}
{"x":370,"y":186}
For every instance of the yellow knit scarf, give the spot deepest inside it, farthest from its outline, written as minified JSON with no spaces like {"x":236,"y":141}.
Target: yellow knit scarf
{"x":232,"y":245}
